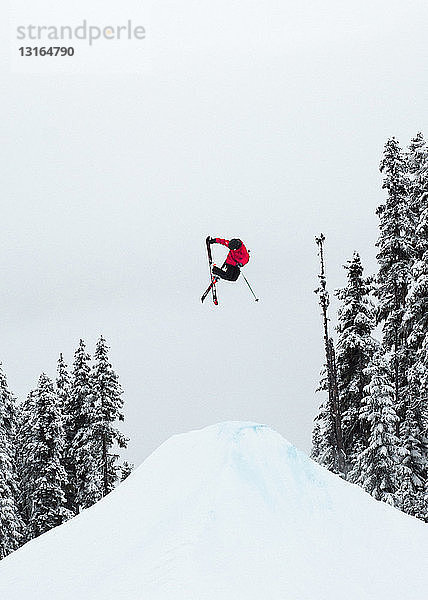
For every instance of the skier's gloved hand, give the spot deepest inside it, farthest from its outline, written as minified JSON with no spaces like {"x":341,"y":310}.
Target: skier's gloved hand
{"x":212,"y":240}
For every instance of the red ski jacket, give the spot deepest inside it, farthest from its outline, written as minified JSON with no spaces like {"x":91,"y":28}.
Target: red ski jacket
{"x":234,"y":257}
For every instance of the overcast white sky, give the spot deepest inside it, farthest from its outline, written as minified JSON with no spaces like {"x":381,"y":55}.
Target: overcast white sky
{"x":260,"y":120}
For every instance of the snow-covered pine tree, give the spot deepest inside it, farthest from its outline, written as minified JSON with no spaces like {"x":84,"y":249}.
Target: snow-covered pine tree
{"x":375,"y":467}
{"x":95,"y":461}
{"x":79,"y":431}
{"x":63,"y":390}
{"x":395,"y":259}
{"x":355,"y":349}
{"x":25,"y":426}
{"x":42,"y":455}
{"x":108,"y":401}
{"x":11,"y":524}
{"x":63,"y":385}
{"x":413,"y":473}
{"x":323,"y":435}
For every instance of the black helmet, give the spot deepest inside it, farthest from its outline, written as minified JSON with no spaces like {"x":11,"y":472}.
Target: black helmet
{"x":235,"y":244}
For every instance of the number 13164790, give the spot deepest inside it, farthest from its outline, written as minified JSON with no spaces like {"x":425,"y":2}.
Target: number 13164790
{"x":46,"y":51}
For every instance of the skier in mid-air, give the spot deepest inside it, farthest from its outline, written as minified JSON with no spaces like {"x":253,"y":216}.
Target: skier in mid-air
{"x":238,"y":257}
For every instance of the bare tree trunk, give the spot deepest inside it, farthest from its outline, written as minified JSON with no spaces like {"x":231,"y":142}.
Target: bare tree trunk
{"x":337,"y":411}
{"x":333,"y":388}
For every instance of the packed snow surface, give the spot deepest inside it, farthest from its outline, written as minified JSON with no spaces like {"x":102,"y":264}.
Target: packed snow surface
{"x":234,"y":512}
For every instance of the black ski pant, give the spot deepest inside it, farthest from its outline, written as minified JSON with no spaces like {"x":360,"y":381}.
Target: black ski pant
{"x":231,"y":272}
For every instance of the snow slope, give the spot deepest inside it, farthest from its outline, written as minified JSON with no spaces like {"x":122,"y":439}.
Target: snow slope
{"x":234,"y":512}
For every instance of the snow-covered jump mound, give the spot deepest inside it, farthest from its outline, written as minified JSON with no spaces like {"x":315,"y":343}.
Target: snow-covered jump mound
{"x":229,"y":512}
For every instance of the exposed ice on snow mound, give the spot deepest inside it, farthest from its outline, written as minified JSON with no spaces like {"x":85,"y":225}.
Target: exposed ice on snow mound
{"x":227,"y":512}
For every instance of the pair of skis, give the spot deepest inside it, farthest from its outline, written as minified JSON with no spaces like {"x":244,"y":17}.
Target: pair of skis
{"x":214,"y":279}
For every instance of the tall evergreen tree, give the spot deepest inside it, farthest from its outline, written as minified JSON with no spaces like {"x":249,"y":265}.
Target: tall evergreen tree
{"x":108,"y":402}
{"x":11,"y":524}
{"x":355,"y":349}
{"x":97,"y":438}
{"x":395,"y":259}
{"x":79,"y":429}
{"x":63,"y":385}
{"x":375,"y":467}
{"x":63,"y":390}
{"x":25,"y":428}
{"x":413,"y":497}
{"x":44,"y":475}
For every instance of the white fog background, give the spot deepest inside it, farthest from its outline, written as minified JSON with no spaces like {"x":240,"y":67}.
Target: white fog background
{"x":264,"y":121}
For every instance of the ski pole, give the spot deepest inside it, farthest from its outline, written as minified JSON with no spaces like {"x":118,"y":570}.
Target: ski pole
{"x":246,"y":281}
